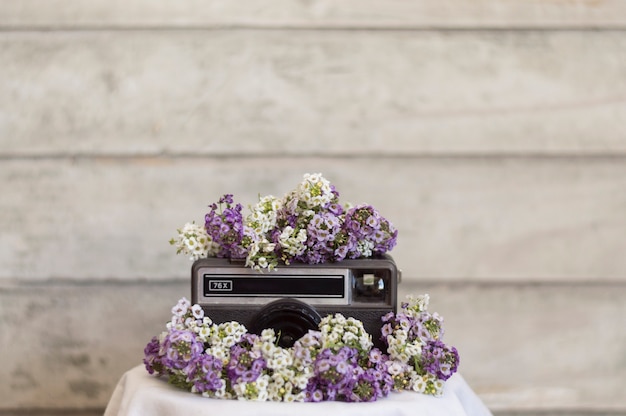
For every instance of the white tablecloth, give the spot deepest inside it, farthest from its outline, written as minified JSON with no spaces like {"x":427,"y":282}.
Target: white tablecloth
{"x":139,"y":394}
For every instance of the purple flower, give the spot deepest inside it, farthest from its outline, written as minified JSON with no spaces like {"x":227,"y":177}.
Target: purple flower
{"x":426,"y":327}
{"x":245,"y":365}
{"x":431,"y":326}
{"x":387,"y":317}
{"x":340,"y":253}
{"x":205,"y":372}
{"x":375,"y":356}
{"x":439,"y":359}
{"x":314,"y":395}
{"x":366,"y":388}
{"x":335,"y":209}
{"x":334,"y":374}
{"x":180,"y":347}
{"x":365,"y":224}
{"x":322,"y":238}
{"x":226,"y":199}
{"x":226,"y":227}
{"x":152,"y":358}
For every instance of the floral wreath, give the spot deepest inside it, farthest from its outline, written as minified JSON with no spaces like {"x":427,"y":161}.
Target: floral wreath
{"x":336,"y":362}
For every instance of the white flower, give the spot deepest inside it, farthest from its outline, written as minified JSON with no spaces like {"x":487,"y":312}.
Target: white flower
{"x":366,"y":342}
{"x":309,"y":339}
{"x":264,"y":214}
{"x":301,"y":380}
{"x":418,"y":384}
{"x":278,"y":380}
{"x":273,"y":392}
{"x":262,"y":262}
{"x":229,"y":341}
{"x":253,"y":250}
{"x":446,"y":369}
{"x":417,"y":305}
{"x":291,"y":242}
{"x":394,"y":368}
{"x":181,"y":307}
{"x":268,"y":335}
{"x":263,"y":381}
{"x":197,"y":311}
{"x":349,"y":337}
{"x":223,"y":394}
{"x":175,"y":323}
{"x":231,"y":328}
{"x":204,"y":333}
{"x":267,"y":349}
{"x":438,"y":388}
{"x":413,"y":348}
{"x":364,"y":247}
{"x":256,"y":390}
{"x":193,"y":241}
{"x":280,"y":360}
{"x":314,"y":190}
{"x":219,"y":352}
{"x":261,"y":256}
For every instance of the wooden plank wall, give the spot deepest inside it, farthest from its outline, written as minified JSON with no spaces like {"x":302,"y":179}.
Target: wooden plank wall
{"x":491,"y":133}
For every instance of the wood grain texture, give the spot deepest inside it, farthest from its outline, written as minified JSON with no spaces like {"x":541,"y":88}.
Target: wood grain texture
{"x":477,"y":219}
{"x":317,"y":13}
{"x":330,"y":93}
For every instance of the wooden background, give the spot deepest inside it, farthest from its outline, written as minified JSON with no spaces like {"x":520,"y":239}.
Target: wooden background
{"x":491,"y":133}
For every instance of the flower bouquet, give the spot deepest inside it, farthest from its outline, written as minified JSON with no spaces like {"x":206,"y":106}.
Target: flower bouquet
{"x":338,"y":360}
{"x":306,"y":225}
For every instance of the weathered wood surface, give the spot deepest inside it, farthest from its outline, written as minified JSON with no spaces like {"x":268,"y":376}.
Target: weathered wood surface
{"x":477,"y":219}
{"x":318,"y":13}
{"x":548,"y":347}
{"x":329,"y":93}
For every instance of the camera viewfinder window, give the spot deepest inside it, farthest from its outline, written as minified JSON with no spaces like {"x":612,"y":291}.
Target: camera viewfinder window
{"x":370,"y":287}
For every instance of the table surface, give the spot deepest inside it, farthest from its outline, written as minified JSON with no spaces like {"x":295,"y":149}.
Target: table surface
{"x":138,"y":393}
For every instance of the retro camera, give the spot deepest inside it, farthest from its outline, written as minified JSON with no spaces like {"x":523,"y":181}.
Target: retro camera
{"x":294,"y":298}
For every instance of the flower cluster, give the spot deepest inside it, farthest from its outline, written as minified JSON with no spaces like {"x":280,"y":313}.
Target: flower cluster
{"x":194,"y":242}
{"x":337,"y":331}
{"x":422,"y":362}
{"x":336,"y":362}
{"x":307,"y":225}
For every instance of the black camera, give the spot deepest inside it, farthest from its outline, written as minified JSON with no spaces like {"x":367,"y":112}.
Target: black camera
{"x":294,"y":298}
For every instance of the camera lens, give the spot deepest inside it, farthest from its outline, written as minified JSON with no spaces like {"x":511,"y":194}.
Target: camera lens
{"x":289,"y":318}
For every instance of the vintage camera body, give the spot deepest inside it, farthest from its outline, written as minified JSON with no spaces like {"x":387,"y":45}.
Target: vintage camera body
{"x":293,"y":298}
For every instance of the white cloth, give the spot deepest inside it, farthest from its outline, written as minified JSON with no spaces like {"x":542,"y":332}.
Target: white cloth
{"x":140,"y":394}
